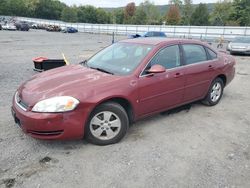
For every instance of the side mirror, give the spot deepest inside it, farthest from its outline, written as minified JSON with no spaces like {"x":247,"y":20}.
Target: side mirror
{"x":156,"y":69}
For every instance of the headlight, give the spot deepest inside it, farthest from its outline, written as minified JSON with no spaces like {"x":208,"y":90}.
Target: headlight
{"x":56,"y":104}
{"x":229,"y":47}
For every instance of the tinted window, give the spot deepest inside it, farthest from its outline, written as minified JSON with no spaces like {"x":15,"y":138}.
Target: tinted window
{"x":168,"y":57}
{"x":156,"y":34}
{"x":212,"y":54}
{"x":159,"y":34}
{"x":194,"y":53}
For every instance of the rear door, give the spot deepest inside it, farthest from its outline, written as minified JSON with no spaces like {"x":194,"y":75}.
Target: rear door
{"x":200,"y":70}
{"x":162,"y":90}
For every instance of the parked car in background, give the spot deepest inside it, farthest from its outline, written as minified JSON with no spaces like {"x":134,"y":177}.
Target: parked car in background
{"x":69,"y":30}
{"x":22,"y":26}
{"x":10,"y":27}
{"x":42,"y":26}
{"x":122,"y":83}
{"x":53,"y":28}
{"x":239,"y":45}
{"x":149,"y":34}
{"x":34,"y":26}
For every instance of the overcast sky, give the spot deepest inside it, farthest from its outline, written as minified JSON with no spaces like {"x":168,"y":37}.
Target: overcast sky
{"x":122,"y":3}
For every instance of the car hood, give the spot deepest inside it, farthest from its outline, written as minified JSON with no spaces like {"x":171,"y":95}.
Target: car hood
{"x":73,"y":80}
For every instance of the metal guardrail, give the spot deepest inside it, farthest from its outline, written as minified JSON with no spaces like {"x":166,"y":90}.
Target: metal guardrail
{"x":204,"y":32}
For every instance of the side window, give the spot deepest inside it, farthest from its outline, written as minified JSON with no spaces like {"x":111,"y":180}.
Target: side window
{"x":194,"y":53}
{"x":168,"y":57}
{"x":156,"y":34}
{"x":212,"y":54}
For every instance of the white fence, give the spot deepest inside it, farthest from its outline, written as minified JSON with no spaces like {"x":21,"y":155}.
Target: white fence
{"x":205,"y":32}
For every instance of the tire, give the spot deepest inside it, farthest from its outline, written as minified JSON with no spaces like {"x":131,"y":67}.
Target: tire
{"x":215,"y":92}
{"x":101,"y":130}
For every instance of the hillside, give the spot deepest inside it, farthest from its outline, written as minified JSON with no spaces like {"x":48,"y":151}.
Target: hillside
{"x":164,"y":8}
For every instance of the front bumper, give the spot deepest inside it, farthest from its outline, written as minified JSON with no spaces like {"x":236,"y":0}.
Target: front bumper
{"x":61,"y":126}
{"x":239,"y":51}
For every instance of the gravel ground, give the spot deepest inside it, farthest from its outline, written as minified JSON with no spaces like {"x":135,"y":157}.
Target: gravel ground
{"x":193,"y":146}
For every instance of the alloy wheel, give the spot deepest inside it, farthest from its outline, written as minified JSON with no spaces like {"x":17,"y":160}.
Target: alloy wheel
{"x":105,"y":125}
{"x":216,"y":92}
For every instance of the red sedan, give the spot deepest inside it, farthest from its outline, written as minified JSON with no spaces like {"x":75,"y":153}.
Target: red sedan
{"x":126,"y":81}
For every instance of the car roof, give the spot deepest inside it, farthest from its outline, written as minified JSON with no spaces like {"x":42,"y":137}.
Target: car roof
{"x":156,"y":41}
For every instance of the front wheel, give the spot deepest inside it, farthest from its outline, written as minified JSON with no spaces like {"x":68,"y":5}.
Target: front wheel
{"x":107,"y":124}
{"x":215,"y":92}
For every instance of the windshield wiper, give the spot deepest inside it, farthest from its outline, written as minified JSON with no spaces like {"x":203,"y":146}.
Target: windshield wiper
{"x":102,"y":70}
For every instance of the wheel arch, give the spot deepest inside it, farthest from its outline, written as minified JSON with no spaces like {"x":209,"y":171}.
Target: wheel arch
{"x":223,"y":77}
{"x":125,"y":103}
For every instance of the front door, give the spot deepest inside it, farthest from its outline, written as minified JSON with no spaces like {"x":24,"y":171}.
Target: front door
{"x":162,"y":90}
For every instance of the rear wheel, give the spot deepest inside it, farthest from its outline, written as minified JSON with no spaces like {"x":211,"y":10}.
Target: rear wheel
{"x":107,"y":124}
{"x":215,"y":92}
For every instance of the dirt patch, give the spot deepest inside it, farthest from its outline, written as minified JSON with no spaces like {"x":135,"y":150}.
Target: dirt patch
{"x":135,"y":134}
{"x":45,"y":160}
{"x":247,"y":155}
{"x":242,"y":73}
{"x":6,"y":42}
{"x":10,"y":182}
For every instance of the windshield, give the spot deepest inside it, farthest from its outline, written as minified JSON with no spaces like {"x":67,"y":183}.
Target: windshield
{"x":242,"y":40}
{"x":119,"y":58}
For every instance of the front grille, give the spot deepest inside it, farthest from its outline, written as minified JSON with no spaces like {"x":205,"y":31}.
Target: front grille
{"x":45,"y":133}
{"x":24,"y":106}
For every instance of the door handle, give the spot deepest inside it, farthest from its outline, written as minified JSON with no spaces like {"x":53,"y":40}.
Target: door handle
{"x":177,"y":75}
{"x":210,"y":66}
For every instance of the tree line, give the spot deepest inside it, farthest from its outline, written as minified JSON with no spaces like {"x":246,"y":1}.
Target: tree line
{"x":179,"y":12}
